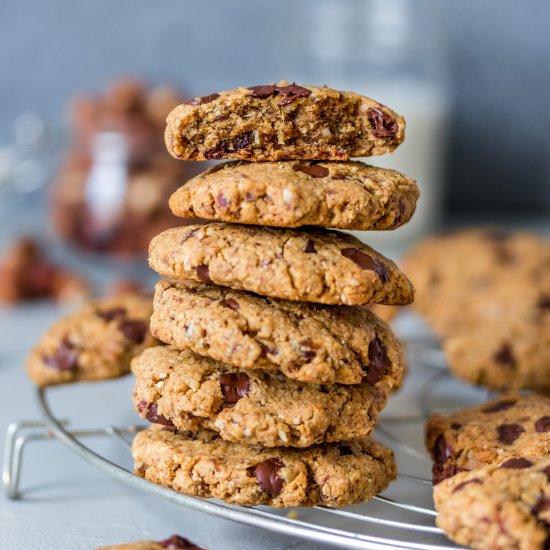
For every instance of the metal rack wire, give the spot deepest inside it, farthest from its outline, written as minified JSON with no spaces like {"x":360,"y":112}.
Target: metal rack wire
{"x":393,"y":520}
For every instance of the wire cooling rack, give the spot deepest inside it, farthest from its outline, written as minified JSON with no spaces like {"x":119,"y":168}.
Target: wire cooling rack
{"x":401,"y":517}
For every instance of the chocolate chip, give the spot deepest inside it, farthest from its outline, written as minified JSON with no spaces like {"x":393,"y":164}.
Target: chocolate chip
{"x":345,"y":450}
{"x":308,"y":347}
{"x":221,"y":200}
{"x":500,"y":406}
{"x":234,"y":386}
{"x":456,"y":426}
{"x":203,"y":273}
{"x":508,"y":433}
{"x":249,"y":197}
{"x":202,"y":100}
{"x":313,"y":170}
{"x":309,"y":247}
{"x":544,"y":302}
{"x":191,"y":233}
{"x":231,"y":303}
{"x":291,"y":92}
{"x":364,"y":261}
{"x":263,"y":91}
{"x":401,"y":209}
{"x":543,"y":424}
{"x":516,"y":463}
{"x":267,"y":474}
{"x":175,"y":542}
{"x":542,"y":504}
{"x":152,"y":414}
{"x":64,"y":358}
{"x":379,"y":362}
{"x":505,"y":357}
{"x":382,"y":123}
{"x":440,"y":450}
{"x":217,"y":152}
{"x":339,"y":177}
{"x":134,"y":331}
{"x":110,"y":314}
{"x":243,"y":141}
{"x":546,"y":472}
{"x":267,"y":198}
{"x":461,"y":486}
{"x":267,"y":349}
{"x":444,"y":470}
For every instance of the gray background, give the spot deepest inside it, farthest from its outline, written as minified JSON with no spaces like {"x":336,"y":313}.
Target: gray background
{"x":497,"y":51}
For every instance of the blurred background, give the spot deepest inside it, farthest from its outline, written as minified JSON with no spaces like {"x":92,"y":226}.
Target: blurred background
{"x":471,"y":78}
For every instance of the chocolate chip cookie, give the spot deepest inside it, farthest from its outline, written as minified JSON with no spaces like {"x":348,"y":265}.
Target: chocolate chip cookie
{"x":306,"y":342}
{"x":511,"y":426}
{"x":311,"y":266}
{"x":344,"y":195}
{"x":94,"y":343}
{"x":331,"y":474}
{"x":285,"y":121}
{"x":253,"y":407}
{"x":175,"y":542}
{"x":498,"y":506}
{"x":487,"y":294}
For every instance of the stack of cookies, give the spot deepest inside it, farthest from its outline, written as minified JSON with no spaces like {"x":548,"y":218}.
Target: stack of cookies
{"x":275,"y":373}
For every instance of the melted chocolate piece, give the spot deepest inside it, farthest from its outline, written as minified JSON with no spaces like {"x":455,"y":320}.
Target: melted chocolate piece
{"x":456,"y":426}
{"x":234,"y":386}
{"x":202,"y":100}
{"x":544,"y":302}
{"x":444,"y":470}
{"x":243,"y":141}
{"x":64,"y":358}
{"x":289,"y":93}
{"x":516,"y":463}
{"x":110,"y":314}
{"x":345,"y":450}
{"x":441,"y":451}
{"x":379,"y":362}
{"x":309,"y":247}
{"x":221,"y":200}
{"x":500,"y":406}
{"x":508,"y":433}
{"x":364,"y":261}
{"x":263,"y":91}
{"x":134,"y":331}
{"x":464,"y":483}
{"x":152,"y":414}
{"x":231,"y":303}
{"x":313,"y":170}
{"x":203,"y":273}
{"x":382,"y":123}
{"x":543,"y":424}
{"x":175,"y":542}
{"x":267,"y":474}
{"x":505,"y":357}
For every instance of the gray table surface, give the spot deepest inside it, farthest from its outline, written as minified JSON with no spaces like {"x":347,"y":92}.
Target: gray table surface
{"x":66,"y":503}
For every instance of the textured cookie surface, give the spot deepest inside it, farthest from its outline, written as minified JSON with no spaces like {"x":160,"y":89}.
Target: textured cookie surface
{"x":487,"y":294}
{"x":175,"y":542}
{"x":509,"y":427}
{"x":94,"y":343}
{"x":343,"y":195}
{"x":311,"y":266}
{"x":306,"y":342}
{"x":252,"y":407}
{"x":505,"y":506}
{"x":332,"y":474}
{"x":282,"y":122}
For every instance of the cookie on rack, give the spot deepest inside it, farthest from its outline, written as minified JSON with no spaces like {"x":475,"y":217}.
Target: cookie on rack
{"x":330,"y":474}
{"x":498,"y":506}
{"x":96,"y":342}
{"x":312,"y":266}
{"x":285,"y":121}
{"x":253,"y":407}
{"x":175,"y":542}
{"x":512,"y":426}
{"x":305,"y":342}
{"x":342,"y":195}
{"x":486,"y":293}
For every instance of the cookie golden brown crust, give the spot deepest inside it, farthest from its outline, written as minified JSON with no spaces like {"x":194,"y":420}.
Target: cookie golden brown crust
{"x":486,"y":292}
{"x":342,"y":195}
{"x":306,"y":342}
{"x":311,"y":266}
{"x":331,"y":474}
{"x":278,"y":122}
{"x":250,"y":406}
{"x":95,"y":343}
{"x":511,"y":426}
{"x":498,"y":506}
